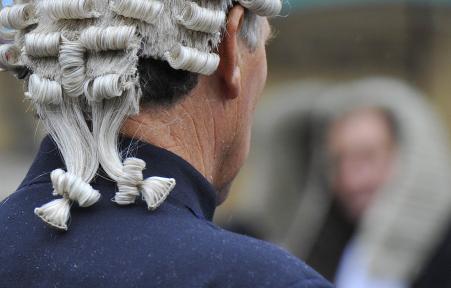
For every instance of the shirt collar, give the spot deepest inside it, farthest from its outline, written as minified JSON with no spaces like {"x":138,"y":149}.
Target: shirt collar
{"x":192,"y":189}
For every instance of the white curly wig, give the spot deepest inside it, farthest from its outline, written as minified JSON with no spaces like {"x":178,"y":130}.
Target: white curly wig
{"x":82,"y":56}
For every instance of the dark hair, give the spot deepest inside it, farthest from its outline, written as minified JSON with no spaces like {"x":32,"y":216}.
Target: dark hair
{"x":163,"y":85}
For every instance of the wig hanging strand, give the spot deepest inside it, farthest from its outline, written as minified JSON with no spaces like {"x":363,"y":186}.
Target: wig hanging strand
{"x":154,"y":190}
{"x":73,"y":189}
{"x":129,"y":181}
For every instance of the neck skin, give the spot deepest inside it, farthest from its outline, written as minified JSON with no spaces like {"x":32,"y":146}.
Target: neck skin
{"x":192,"y":129}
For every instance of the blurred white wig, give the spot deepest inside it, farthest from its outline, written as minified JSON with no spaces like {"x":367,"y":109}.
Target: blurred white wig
{"x":407,"y":220}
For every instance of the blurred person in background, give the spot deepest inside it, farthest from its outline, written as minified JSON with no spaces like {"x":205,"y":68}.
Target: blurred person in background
{"x":362,"y":148}
{"x":371,"y":180}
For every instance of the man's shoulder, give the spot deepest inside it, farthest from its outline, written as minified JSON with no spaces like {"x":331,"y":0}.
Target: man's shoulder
{"x":251,"y":261}
{"x":171,"y":240}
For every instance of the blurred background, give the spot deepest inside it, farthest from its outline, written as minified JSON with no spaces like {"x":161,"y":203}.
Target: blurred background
{"x":349,"y":167}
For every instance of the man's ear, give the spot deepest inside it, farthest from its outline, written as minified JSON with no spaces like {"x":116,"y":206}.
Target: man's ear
{"x":229,"y":69}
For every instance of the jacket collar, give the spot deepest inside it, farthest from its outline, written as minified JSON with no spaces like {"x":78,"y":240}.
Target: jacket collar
{"x":192,"y":190}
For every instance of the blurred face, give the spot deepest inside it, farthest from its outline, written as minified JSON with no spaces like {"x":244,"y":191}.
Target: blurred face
{"x":362,"y":150}
{"x":253,"y":70}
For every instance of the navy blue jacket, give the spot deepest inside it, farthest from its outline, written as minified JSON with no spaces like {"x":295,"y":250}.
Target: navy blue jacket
{"x":115,"y":246}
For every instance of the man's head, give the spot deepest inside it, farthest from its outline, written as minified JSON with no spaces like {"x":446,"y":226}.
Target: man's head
{"x":362,"y":146}
{"x":222,"y":103}
{"x":89,"y":66}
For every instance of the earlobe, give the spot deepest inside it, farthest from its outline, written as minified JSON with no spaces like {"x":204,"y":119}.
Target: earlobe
{"x":229,"y":69}
{"x":235,"y":87}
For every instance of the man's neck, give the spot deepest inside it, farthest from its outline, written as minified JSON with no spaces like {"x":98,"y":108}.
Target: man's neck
{"x":177,"y":130}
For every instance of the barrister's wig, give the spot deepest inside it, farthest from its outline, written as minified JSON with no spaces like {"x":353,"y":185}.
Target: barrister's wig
{"x":80,"y":62}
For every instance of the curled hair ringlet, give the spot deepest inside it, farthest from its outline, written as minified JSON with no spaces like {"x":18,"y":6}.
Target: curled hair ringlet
{"x":106,"y":87}
{"x":263,"y":7}
{"x":73,"y":70}
{"x":9,"y":55}
{"x":7,"y":34}
{"x":44,"y":91}
{"x":18,"y":17}
{"x":67,"y":9}
{"x":42,"y":45}
{"x":201,"y":19}
{"x":107,"y":38}
{"x":144,"y":10}
{"x":186,"y":58}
